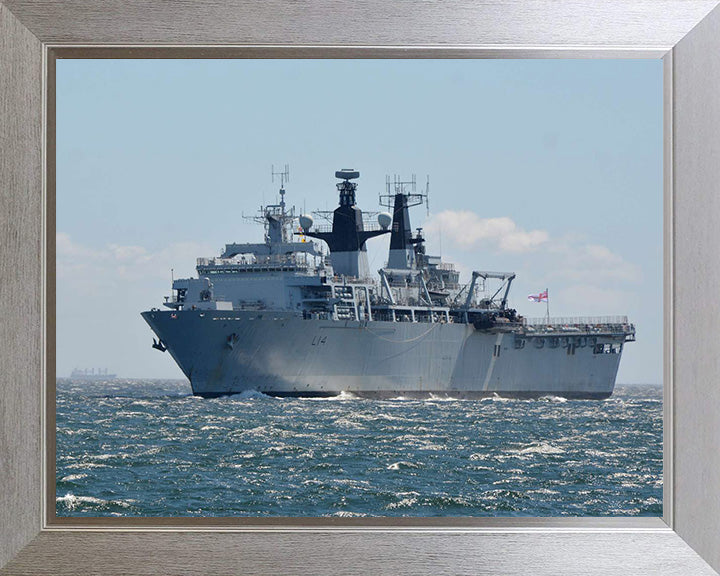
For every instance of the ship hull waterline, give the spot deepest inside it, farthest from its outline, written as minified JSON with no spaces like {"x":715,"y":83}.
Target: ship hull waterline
{"x":281,"y":354}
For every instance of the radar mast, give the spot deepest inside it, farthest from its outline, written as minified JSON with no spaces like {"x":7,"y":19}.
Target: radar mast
{"x":401,"y":195}
{"x":276,"y":220}
{"x":284,"y":177}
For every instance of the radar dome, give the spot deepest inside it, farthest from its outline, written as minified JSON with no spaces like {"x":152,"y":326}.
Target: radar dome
{"x":384,"y":219}
{"x":306,"y":222}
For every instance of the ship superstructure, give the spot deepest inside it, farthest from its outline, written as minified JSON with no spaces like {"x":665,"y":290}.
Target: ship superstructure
{"x":286,"y":318}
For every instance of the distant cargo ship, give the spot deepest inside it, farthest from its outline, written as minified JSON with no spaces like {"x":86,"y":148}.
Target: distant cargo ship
{"x":281,"y":317}
{"x":91,"y":374}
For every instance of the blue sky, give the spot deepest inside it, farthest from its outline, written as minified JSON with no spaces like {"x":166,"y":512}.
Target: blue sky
{"x":549,"y":168}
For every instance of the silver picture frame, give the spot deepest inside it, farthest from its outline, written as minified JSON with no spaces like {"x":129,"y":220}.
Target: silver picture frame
{"x":684,"y":33}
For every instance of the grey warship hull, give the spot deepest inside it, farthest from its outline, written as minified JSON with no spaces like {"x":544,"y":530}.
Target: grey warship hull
{"x":285,"y":318}
{"x":278,"y":353}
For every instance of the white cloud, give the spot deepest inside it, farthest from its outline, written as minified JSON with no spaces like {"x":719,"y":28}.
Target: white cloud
{"x":567,"y":259}
{"x":116,"y":262}
{"x":129,"y":253}
{"x":72,"y":252}
{"x":588,"y":263}
{"x":100,"y":286}
{"x":468,"y":230}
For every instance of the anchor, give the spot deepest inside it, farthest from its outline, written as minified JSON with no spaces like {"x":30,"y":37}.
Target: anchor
{"x":158,"y":345}
{"x":231,"y":340}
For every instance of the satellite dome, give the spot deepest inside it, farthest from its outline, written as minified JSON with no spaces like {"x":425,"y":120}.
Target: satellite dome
{"x":306,"y":222}
{"x":384,"y":219}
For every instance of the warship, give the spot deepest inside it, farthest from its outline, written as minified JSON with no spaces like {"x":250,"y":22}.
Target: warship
{"x":90,"y":374}
{"x":299,"y":314}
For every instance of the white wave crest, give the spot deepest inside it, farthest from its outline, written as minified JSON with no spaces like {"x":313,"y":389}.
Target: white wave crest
{"x":497,"y":398}
{"x":539,"y":448}
{"x":71,"y":501}
{"x":142,"y":403}
{"x":551,"y":398}
{"x":544,"y":491}
{"x":86,"y":465}
{"x":436,"y":398}
{"x":404,"y":503}
{"x":402,"y":464}
{"x":72,"y":477}
{"x":344,"y":395}
{"x":249,"y":395}
{"x":346,"y":422}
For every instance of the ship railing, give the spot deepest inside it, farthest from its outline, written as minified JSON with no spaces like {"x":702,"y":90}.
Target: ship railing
{"x":576,"y":320}
{"x":367,"y":227}
{"x":255,"y":267}
{"x":582,"y":324}
{"x":269,"y":259}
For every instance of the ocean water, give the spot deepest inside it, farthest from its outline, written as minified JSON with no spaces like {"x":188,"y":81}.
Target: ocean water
{"x":150,"y":448}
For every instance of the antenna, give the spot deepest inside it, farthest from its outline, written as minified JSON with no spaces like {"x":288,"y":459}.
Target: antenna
{"x":284,"y":176}
{"x":408,"y":188}
{"x":427,"y":194}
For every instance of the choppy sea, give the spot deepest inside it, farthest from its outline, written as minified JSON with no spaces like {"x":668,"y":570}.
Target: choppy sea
{"x":150,"y":448}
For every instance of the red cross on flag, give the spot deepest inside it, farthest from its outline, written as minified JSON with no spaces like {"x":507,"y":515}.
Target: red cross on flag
{"x":542,"y":297}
